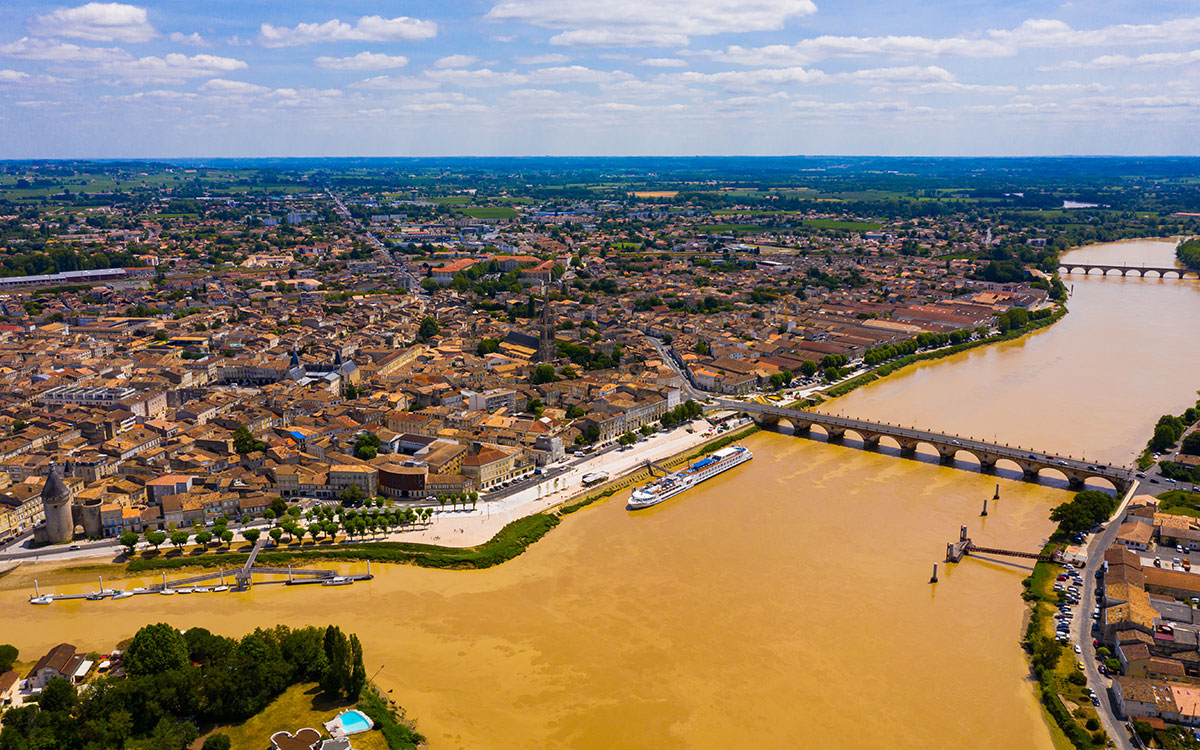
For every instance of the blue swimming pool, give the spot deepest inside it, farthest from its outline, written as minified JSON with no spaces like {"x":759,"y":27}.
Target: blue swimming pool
{"x":354,"y":722}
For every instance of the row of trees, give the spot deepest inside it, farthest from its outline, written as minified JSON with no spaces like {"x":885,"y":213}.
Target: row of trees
{"x":1189,"y":254}
{"x":685,"y":412}
{"x":174,"y":680}
{"x":925,"y":340}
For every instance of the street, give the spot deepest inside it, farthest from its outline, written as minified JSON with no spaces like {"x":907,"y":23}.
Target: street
{"x":1083,"y":625}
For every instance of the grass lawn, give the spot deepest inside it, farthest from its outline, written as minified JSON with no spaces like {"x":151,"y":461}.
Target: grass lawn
{"x":491,"y":212}
{"x":861,"y":226}
{"x":450,"y":200}
{"x":1180,"y":503}
{"x":300,"y":706}
{"x":1074,"y":697}
{"x":727,"y":228}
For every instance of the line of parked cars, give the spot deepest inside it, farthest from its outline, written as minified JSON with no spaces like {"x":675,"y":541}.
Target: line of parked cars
{"x":1068,"y":584}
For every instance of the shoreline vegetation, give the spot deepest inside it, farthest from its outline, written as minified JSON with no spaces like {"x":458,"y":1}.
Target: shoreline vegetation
{"x":887,"y":368}
{"x":513,"y":539}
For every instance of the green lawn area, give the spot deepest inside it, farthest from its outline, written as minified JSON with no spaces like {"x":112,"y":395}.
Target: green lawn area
{"x":451,"y":200}
{"x":1074,"y":697}
{"x":858,"y":226}
{"x":728,"y":228}
{"x":1180,"y":503}
{"x":300,"y":706}
{"x":491,"y":212}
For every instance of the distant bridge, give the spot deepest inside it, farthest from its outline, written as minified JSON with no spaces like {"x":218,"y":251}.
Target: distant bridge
{"x":1160,"y":271}
{"x":1031,"y":463}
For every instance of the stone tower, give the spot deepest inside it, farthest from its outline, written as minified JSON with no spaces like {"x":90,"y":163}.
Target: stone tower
{"x":59,"y":526}
{"x":546,"y":349}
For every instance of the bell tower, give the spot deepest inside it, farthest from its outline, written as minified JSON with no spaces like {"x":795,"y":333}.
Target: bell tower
{"x":546,"y":349}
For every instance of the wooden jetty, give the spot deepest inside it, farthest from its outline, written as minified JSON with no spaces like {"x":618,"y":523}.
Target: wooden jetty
{"x":956,"y":551}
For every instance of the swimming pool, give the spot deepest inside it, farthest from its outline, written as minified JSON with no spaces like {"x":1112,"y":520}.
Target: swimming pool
{"x":354,"y":722}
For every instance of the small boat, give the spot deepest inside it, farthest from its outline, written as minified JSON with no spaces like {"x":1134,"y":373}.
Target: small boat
{"x":337,"y":581}
{"x":166,"y":592}
{"x":95,"y":596}
{"x":186,"y":590}
{"x":140,"y":590}
{"x":44,"y":599}
{"x":202,"y":589}
{"x":119,"y":594}
{"x":220,"y":588}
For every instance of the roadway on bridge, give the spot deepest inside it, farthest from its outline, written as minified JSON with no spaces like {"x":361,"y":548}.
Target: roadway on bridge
{"x":1118,"y":475}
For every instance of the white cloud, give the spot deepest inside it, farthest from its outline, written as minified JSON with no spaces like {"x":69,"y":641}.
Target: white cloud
{"x":366,"y":29}
{"x":575,"y":74}
{"x":238,"y":88}
{"x":907,"y":74}
{"x":808,"y":51}
{"x":98,"y":22}
{"x":743,"y":80}
{"x":363,"y":61}
{"x":994,"y":43}
{"x":394,"y":83}
{"x":52,"y":50}
{"x":1067,"y":88}
{"x":552,"y":58}
{"x":173,"y":67}
{"x":157,"y":95}
{"x":661,"y":23}
{"x":1048,"y":32}
{"x":664,"y":62}
{"x":192,"y":40}
{"x":13,"y":76}
{"x":475,"y":77}
{"x":1149,"y":60}
{"x":456,"y":61}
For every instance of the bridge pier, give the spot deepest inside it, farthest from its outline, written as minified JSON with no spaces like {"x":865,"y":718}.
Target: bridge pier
{"x":907,"y":446}
{"x":987,"y":464}
{"x":870,"y":440}
{"x":946,"y":452}
{"x":836,"y":434}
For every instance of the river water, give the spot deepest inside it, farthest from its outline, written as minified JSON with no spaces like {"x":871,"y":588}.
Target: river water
{"x":783,"y":604}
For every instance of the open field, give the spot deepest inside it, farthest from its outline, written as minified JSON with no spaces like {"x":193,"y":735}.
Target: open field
{"x":491,"y":212}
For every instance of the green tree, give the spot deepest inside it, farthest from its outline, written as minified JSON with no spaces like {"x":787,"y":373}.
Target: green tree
{"x":129,"y":541}
{"x":155,"y":538}
{"x":244,"y":442}
{"x":1191,"y":444}
{"x":227,"y":538}
{"x":544,"y":374}
{"x":156,"y":649}
{"x":179,"y":539}
{"x":203,"y":538}
{"x":352,"y":494}
{"x":251,"y":535}
{"x":808,"y":368}
{"x":428,"y":329}
{"x":172,"y":734}
{"x":279,"y":506}
{"x":487,"y":346}
{"x":357,"y":678}
{"x":8,"y":656}
{"x":276,"y":534}
{"x":574,"y":412}
{"x":217,"y":741}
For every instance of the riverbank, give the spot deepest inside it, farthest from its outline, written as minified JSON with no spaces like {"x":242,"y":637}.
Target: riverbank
{"x":887,"y":368}
{"x":508,"y":542}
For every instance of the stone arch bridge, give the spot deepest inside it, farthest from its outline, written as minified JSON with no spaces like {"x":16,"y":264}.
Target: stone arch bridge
{"x":1031,"y":463}
{"x":1144,"y":271}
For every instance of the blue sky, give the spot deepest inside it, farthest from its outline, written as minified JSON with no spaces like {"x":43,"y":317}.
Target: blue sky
{"x":177,"y":78}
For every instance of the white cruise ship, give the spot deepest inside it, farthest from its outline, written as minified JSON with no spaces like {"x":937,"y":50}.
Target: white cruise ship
{"x":672,"y":484}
